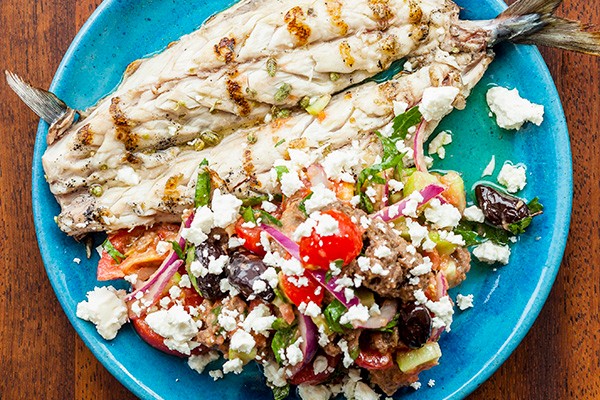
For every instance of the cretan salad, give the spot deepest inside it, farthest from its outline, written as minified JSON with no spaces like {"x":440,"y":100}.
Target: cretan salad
{"x":337,"y":281}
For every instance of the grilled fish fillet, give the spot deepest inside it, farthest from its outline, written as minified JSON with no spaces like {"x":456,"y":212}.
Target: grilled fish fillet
{"x":138,"y":185}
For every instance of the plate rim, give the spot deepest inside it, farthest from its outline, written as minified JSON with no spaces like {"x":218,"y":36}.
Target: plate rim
{"x":528,"y":317}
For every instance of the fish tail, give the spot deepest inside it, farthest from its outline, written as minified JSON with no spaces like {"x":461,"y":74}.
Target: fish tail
{"x":534,"y":22}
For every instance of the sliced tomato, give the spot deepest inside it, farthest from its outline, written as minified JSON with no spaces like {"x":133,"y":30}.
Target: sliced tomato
{"x":307,"y":374}
{"x":372,"y":359}
{"x":320,"y":251}
{"x":301,"y":294}
{"x":251,"y":237}
{"x":108,"y":268}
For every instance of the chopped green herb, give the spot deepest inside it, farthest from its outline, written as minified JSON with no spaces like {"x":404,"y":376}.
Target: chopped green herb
{"x":519,"y":227}
{"x":203,"y":187}
{"x":248,"y":215}
{"x":305,"y":102}
{"x":535,"y":207}
{"x":389,"y":328}
{"x":333,"y":312}
{"x":354,"y":352}
{"x":281,"y":169}
{"x":280,"y":143}
{"x":280,"y":324}
{"x":188,"y":268}
{"x":283,"y":92}
{"x":216,"y":311}
{"x":281,"y":393}
{"x":114,"y":253}
{"x":302,"y":204}
{"x":474,"y":233}
{"x":280,"y":112}
{"x":328,"y":276}
{"x":281,"y":340}
{"x":254,"y":201}
{"x":470,"y":237}
{"x":405,"y":121}
{"x":269,"y":219}
{"x":178,"y":250}
{"x":271,"y":66}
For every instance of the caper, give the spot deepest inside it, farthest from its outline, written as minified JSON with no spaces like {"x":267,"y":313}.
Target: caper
{"x":210,"y":138}
{"x":96,"y":190}
{"x":199,"y":144}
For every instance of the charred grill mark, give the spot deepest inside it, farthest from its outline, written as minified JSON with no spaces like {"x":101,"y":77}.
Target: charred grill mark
{"x":225,"y":49}
{"x":132,"y":67}
{"x":249,"y":169}
{"x":346,"y":53}
{"x":122,"y":126}
{"x":84,"y":137}
{"x":295,"y":19}
{"x":334,"y":9}
{"x":415,"y":13}
{"x":131,"y":158}
{"x":234,"y":89}
{"x":171,"y":194}
{"x":382,"y":11}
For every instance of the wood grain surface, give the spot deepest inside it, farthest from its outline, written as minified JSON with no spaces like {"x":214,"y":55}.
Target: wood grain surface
{"x":41,"y":357}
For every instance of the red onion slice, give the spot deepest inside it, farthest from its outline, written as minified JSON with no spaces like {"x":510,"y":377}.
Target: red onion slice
{"x":441,"y":284}
{"x":388,"y":312}
{"x":310,"y":343}
{"x":288,"y":244}
{"x":395,"y":210}
{"x":332,"y":286}
{"x":419,"y":139}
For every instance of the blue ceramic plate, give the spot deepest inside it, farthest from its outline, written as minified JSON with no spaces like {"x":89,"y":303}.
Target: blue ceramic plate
{"x":507,"y":300}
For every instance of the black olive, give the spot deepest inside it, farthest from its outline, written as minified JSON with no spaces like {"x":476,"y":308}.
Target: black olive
{"x":414,"y":326}
{"x":500,"y":209}
{"x":213,"y":248}
{"x":244,"y":269}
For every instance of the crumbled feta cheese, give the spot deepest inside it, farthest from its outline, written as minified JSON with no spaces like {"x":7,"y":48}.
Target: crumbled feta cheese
{"x":198,"y":363}
{"x":242,"y":341}
{"x":235,"y":365}
{"x":474,"y":214}
{"x":436,"y":146}
{"x":355,"y":200}
{"x":414,"y":281}
{"x":274,"y":374}
{"x":490,"y":253}
{"x":400,"y":107}
{"x":259,"y":320}
{"x":437,"y":102}
{"x":382,"y":252}
{"x":225,"y":208}
{"x":339,"y":163}
{"x":416,"y":385}
{"x":314,"y":392}
{"x":513,"y":177}
{"x":185,"y":282}
{"x":512,"y":111}
{"x":174,"y":292}
{"x":176,"y":326}
{"x":293,"y":354}
{"x":442,"y":215}
{"x":227,"y":319}
{"x":464,"y":302}
{"x":416,"y":232}
{"x":423,"y":268}
{"x":216,"y":374}
{"x":270,"y":276}
{"x":452,"y":237}
{"x":259,"y":286}
{"x":355,"y":315}
{"x":431,"y":383}
{"x":304,"y":229}
{"x":412,"y":202}
{"x":105,"y":307}
{"x":268,"y":206}
{"x":77,"y":260}
{"x":289,"y":267}
{"x":326,"y":225}
{"x":489,"y":169}
{"x":163,"y":247}
{"x":347,"y":360}
{"x":290,"y":183}
{"x":371,"y":193}
{"x":201,"y":225}
{"x":226,"y":287}
{"x":128,"y":176}
{"x":217,"y":266}
{"x":235,"y":242}
{"x":320,"y":365}
{"x":131,"y":278}
{"x":441,"y":309}
{"x":395,"y":185}
{"x":311,"y":309}
{"x":320,"y":198}
{"x":364,"y":392}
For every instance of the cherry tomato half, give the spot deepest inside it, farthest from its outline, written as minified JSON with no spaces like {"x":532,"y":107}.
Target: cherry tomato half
{"x":303,"y":294}
{"x":251,"y":237}
{"x":372,"y":359}
{"x":345,"y":245}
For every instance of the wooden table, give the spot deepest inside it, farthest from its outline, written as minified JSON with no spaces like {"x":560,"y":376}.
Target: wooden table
{"x":41,"y":357}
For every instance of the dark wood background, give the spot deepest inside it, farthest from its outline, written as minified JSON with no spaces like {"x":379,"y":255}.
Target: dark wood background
{"x":41,"y":357}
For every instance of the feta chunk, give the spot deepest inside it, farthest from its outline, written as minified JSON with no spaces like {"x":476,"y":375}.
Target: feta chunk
{"x":105,"y":307}
{"x":437,"y":102}
{"x":290,"y":183}
{"x":436,"y":146}
{"x":198,"y":363}
{"x":176,"y":326}
{"x":242,"y":341}
{"x":464,"y":302}
{"x":225,"y":208}
{"x":511,"y":110}
{"x":442,"y":215}
{"x":491,"y":253}
{"x":320,"y":198}
{"x":513,"y":177}
{"x":474,"y":214}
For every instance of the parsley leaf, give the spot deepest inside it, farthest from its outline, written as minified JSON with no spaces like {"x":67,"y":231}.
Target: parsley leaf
{"x":114,"y":253}
{"x":302,"y":204}
{"x":405,"y":121}
{"x":281,"y":393}
{"x":177,"y":248}
{"x":248,"y":215}
{"x":269,"y":219}
{"x":333,"y":312}
{"x":281,"y":340}
{"x":535,"y":207}
{"x":281,"y":169}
